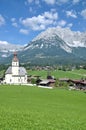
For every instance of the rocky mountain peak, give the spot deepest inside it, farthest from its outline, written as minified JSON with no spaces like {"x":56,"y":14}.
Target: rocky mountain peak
{"x":71,"y":38}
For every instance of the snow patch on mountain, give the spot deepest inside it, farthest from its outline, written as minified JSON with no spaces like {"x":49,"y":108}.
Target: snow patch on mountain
{"x":72,"y":39}
{"x":78,"y":44}
{"x":67,"y":49}
{"x":4,"y":55}
{"x":41,"y":46}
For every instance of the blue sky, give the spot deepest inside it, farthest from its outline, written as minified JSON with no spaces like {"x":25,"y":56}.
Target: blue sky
{"x":22,"y":20}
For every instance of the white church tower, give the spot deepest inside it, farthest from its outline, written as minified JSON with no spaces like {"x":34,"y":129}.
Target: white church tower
{"x":15,"y":65}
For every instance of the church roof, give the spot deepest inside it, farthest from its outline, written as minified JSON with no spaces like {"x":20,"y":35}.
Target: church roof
{"x":22,"y":71}
{"x":9,"y":70}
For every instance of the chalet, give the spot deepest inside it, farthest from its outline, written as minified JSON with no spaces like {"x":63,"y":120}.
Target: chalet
{"x":79,"y":84}
{"x":47,"y":82}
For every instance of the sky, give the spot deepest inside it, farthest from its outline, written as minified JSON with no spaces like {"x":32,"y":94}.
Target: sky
{"x":23,"y":20}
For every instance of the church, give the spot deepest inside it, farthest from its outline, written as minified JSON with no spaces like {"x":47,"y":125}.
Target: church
{"x":15,"y":74}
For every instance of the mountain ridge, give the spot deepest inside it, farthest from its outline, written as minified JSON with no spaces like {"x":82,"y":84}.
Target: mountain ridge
{"x":55,"y":45}
{"x":72,"y":38}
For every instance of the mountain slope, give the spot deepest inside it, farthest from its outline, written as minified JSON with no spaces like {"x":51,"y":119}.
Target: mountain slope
{"x":49,"y":48}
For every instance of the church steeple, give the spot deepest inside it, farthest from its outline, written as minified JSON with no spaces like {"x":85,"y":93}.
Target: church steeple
{"x":15,"y":61}
{"x":15,"y":65}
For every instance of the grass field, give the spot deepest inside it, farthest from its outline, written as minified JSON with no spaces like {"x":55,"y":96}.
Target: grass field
{"x":31,"y":108}
{"x":76,"y":74}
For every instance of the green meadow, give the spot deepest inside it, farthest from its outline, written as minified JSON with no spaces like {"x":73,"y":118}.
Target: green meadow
{"x":32,"y":108}
{"x":75,"y":74}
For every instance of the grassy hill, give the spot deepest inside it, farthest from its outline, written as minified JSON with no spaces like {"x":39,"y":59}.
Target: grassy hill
{"x":31,"y":108}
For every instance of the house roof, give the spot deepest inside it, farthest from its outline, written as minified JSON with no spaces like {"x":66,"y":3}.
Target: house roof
{"x":83,"y":82}
{"x":22,"y":71}
{"x":44,"y":82}
{"x":47,"y":81}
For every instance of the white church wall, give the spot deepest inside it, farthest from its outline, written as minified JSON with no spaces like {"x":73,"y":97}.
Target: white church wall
{"x":15,"y":70}
{"x":8,"y":78}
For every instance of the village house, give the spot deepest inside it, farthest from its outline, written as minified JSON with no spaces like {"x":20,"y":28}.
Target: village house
{"x":15,"y":74}
{"x":46,"y":82}
{"x":79,"y":84}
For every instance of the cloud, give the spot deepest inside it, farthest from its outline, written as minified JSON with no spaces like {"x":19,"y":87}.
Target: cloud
{"x":76,"y":1}
{"x":4,"y":43}
{"x":13,"y":19}
{"x":50,"y":15}
{"x":33,"y":1}
{"x":30,"y":1}
{"x":69,"y":25}
{"x":31,"y":9}
{"x":50,"y":1}
{"x":61,"y":2}
{"x":40,"y":22}
{"x":37,"y":2}
{"x":15,"y":24}
{"x":83,"y":13}
{"x":24,"y":31}
{"x":71,"y":14}
{"x":62,"y":23}
{"x":2,"y":20}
